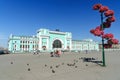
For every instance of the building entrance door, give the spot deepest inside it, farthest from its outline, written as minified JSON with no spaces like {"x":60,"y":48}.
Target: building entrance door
{"x":57,"y":44}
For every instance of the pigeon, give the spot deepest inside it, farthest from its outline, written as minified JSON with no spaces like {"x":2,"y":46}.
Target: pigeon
{"x":57,"y":66}
{"x":86,"y":65}
{"x":11,"y":62}
{"x":53,"y":71}
{"x":75,"y":66}
{"x":50,"y":67}
{"x":45,"y":65}
{"x":29,"y":69}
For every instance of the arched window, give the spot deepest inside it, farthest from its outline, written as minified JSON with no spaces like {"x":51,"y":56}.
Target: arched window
{"x":57,"y":44}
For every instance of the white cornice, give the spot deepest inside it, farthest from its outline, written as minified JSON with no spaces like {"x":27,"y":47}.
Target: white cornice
{"x":57,"y":32}
{"x":44,"y":35}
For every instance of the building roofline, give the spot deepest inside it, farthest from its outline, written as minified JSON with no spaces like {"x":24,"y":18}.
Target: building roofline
{"x":57,"y":32}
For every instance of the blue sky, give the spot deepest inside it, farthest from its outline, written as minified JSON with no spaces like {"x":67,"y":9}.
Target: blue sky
{"x":24,"y":17}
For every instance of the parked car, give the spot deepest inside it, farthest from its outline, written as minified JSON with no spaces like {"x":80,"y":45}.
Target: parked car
{"x":36,"y":51}
{"x":1,"y":52}
{"x":4,"y":52}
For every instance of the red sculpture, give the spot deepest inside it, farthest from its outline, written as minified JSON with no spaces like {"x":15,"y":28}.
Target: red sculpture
{"x":108,"y":15}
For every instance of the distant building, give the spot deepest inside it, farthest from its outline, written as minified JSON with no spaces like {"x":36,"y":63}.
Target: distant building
{"x":46,"y":40}
{"x":22,"y":43}
{"x":81,"y":45}
{"x":114,"y":47}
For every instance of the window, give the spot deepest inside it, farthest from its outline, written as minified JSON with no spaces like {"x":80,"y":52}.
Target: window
{"x":28,"y":46}
{"x":20,"y":46}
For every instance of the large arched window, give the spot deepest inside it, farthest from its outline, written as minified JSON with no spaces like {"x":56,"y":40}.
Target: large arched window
{"x":57,"y":44}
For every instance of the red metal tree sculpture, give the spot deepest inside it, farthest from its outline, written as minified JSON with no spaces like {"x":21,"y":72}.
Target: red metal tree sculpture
{"x":107,"y":17}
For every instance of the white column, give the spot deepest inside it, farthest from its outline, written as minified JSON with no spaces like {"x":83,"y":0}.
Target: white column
{"x":65,"y":44}
{"x":40,"y":42}
{"x":48,"y":43}
{"x":70,"y":44}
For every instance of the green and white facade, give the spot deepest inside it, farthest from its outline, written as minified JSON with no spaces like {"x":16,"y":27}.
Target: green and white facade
{"x":46,"y":40}
{"x":83,"y":45}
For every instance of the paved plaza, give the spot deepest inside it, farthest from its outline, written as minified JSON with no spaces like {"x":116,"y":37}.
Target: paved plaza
{"x":69,"y":66}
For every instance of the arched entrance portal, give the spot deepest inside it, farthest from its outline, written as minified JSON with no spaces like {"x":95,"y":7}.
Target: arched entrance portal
{"x":57,"y":44}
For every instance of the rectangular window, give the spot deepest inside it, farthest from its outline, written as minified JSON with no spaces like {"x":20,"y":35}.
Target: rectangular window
{"x":28,"y":46}
{"x":20,"y":46}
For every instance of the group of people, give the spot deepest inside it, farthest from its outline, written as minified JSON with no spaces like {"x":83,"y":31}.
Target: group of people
{"x":55,"y":53}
